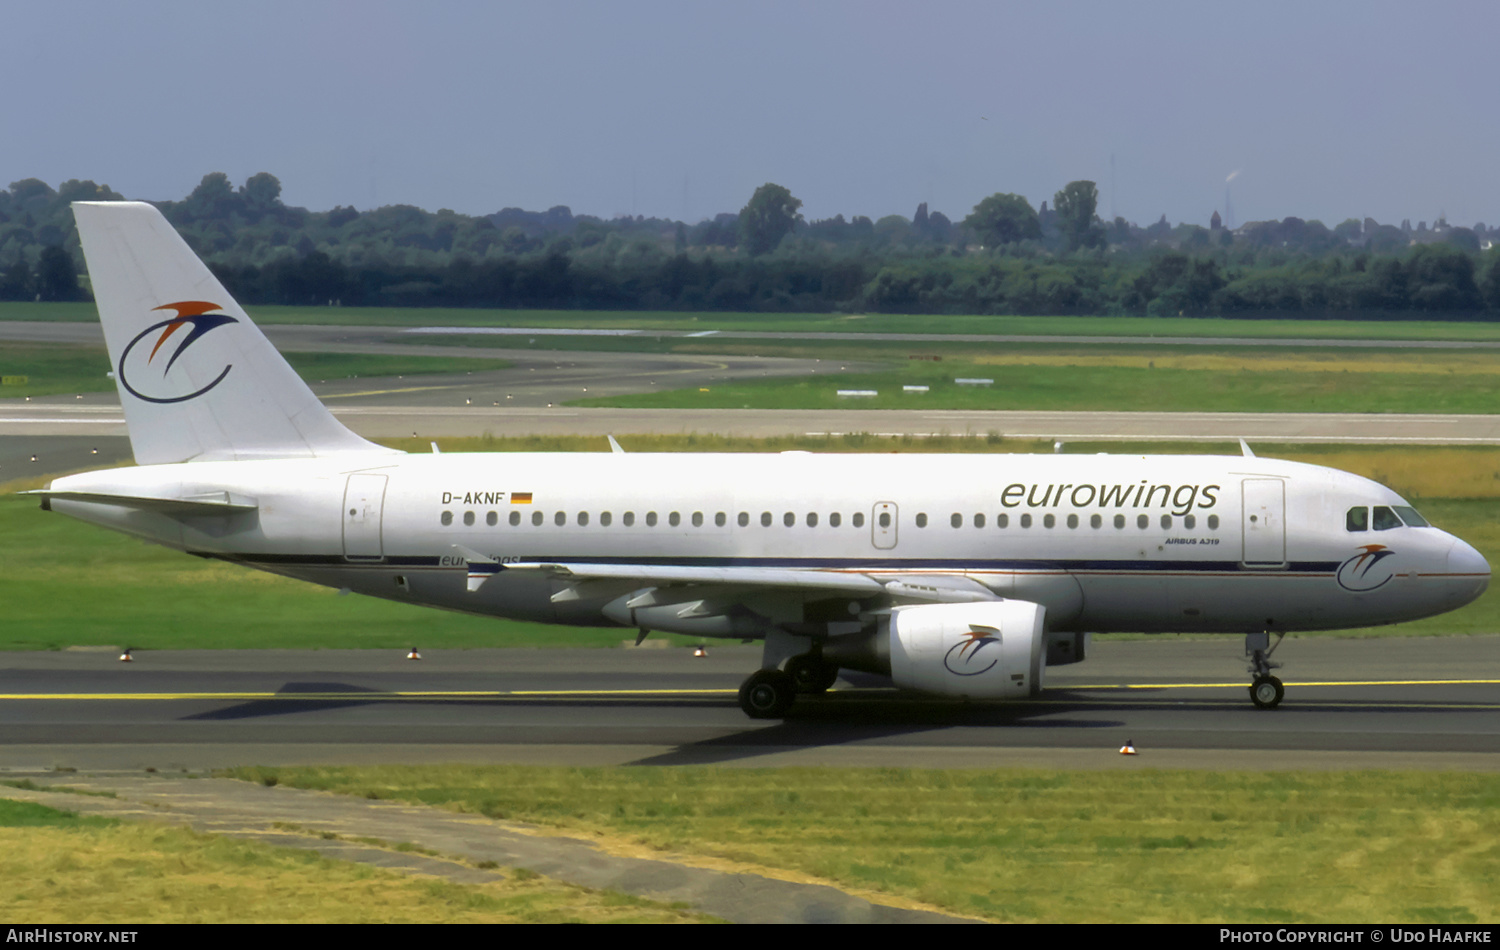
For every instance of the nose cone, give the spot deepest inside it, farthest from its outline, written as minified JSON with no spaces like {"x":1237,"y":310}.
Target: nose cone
{"x":1468,"y":573}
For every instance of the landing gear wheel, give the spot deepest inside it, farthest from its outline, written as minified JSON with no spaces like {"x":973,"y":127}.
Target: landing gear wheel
{"x":767,"y":694}
{"x":1266,"y":692}
{"x":811,"y":674}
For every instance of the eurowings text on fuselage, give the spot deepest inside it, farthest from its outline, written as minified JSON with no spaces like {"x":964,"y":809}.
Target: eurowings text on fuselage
{"x":960,"y":575}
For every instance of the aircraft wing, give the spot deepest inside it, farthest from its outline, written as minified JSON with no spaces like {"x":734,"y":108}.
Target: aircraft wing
{"x":897,"y":587}
{"x":655,"y":575}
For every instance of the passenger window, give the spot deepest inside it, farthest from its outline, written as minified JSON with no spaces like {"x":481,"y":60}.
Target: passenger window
{"x":1358,"y":519}
{"x":1096,"y":521}
{"x":536,"y":518}
{"x":885,"y":519}
{"x":674,"y":519}
{"x":1142,"y":521}
{"x":1213,"y":522}
{"x":1188,"y":521}
{"x":922,"y":520}
{"x":650,"y":519}
{"x":1166,"y":521}
{"x":604,"y":519}
{"x":1072,"y":521}
{"x":447,"y":518}
{"x":515,"y":518}
{"x":583,"y":519}
{"x":628,"y":518}
{"x":859,"y":519}
{"x":812,"y":519}
{"x":1002,"y":521}
{"x":721,"y":519}
{"x":560,"y":519}
{"x":1385,"y":519}
{"x":744,"y":519}
{"x":765,"y":519}
{"x":978,"y":521}
{"x":492,"y":519}
{"x":956,"y":520}
{"x":697,"y":519}
{"x":1119,"y":521}
{"x":834,"y":520}
{"x":789,"y":519}
{"x":468,"y":519}
{"x":1048,"y":521}
{"x":1026,"y":521}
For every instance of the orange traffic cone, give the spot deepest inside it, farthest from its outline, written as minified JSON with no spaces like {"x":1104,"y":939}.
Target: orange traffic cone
{"x":1128,"y":748}
{"x":125,"y":657}
{"x":413,"y":655}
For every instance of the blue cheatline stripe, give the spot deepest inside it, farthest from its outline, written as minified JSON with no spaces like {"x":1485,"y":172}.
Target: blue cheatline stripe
{"x":1089,"y":565}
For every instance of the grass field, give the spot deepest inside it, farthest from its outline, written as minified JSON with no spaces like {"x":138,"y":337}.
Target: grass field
{"x":52,"y":369}
{"x":1029,"y":845}
{"x":825,"y":323}
{"x":1111,"y":378}
{"x":67,"y":869}
{"x":65,"y":583}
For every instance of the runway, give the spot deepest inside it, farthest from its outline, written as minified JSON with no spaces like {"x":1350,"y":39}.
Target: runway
{"x":1371,"y":703}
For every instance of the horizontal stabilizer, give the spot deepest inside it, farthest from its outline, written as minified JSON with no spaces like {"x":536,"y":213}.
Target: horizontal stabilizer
{"x":211,"y":503}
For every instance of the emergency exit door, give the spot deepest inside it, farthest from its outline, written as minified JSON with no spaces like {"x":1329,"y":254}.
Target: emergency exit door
{"x":883,"y":525}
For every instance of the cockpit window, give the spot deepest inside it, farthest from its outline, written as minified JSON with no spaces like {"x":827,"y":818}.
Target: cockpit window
{"x":1410,"y":516}
{"x":1358,"y":519}
{"x":1385,"y":518}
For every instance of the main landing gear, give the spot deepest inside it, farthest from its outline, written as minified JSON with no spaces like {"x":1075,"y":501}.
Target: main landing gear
{"x":768,"y":694}
{"x":1265,"y":690}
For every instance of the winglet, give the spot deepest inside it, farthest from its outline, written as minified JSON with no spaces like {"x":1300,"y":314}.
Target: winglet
{"x":481,"y":568}
{"x":614,"y":446}
{"x":1245,"y":449}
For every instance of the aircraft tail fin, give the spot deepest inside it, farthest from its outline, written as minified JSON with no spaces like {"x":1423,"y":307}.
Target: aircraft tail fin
{"x":197,"y":379}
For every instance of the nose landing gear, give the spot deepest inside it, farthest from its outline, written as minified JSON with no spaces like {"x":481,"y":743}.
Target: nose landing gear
{"x":1266,"y":690}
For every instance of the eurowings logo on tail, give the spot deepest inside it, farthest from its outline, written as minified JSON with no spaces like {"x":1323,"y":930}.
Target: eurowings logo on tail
{"x":146,"y":378}
{"x":1360,"y":573}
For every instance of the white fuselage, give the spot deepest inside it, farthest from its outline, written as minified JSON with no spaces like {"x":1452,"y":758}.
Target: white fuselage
{"x":1105,"y":543}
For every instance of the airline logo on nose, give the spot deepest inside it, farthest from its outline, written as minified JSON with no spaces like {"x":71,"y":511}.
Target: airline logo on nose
{"x":1364,"y":571}
{"x":146,"y":372}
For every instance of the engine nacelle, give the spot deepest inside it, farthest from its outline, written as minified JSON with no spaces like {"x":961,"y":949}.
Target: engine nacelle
{"x":993,"y":650}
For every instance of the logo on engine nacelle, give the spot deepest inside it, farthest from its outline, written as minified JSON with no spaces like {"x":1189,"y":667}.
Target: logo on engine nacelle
{"x":963,"y":658}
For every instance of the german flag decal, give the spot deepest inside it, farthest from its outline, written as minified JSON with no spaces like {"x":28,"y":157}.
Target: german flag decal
{"x":520,"y":498}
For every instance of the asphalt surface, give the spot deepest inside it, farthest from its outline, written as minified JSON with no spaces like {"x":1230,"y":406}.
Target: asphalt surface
{"x":1385,"y":702}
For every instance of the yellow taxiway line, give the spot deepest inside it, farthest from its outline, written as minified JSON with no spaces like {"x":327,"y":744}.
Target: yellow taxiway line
{"x":601,"y":693}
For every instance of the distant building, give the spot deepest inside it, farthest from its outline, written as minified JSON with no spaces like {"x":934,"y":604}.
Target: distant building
{"x":1215,"y":223}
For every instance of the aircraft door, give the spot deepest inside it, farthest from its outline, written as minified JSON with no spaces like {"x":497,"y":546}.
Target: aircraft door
{"x":883,"y":525}
{"x":1264,"y":522}
{"x":364,"y":500}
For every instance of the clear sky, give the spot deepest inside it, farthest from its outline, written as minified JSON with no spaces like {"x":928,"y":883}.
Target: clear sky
{"x":1326,"y":109}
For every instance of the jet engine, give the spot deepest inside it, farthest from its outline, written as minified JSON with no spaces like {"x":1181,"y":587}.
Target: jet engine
{"x":993,"y":650}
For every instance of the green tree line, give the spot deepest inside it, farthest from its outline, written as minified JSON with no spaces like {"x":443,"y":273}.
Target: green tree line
{"x":1004,"y":256}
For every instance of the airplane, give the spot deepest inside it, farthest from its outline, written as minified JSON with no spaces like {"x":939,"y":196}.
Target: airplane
{"x":954,"y":575}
